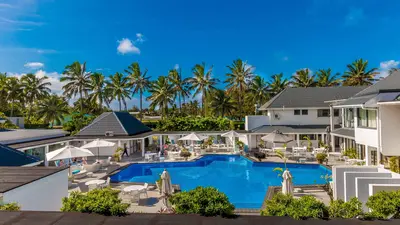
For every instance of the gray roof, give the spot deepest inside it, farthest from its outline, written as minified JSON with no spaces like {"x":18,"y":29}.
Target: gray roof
{"x":119,"y":123}
{"x":347,"y":132}
{"x":310,"y":97}
{"x":291,"y":129}
{"x":27,"y":135}
{"x":14,"y":177}
{"x":385,"y":90}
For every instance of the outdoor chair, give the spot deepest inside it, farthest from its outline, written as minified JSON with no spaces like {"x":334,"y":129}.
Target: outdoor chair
{"x":107,"y":183}
{"x":92,"y":167}
{"x":81,"y":174}
{"x":83,"y":187}
{"x":144,"y":190}
{"x":106,"y":162}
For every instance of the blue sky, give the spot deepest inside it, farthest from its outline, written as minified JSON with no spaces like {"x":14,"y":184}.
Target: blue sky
{"x":42,"y":36}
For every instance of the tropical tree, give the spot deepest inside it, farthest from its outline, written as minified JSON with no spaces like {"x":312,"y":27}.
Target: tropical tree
{"x":3,"y":90}
{"x":277,"y":84}
{"x":161,"y":94}
{"x":119,"y":88}
{"x":358,"y":74}
{"x":99,"y":93}
{"x":35,"y":88}
{"x":258,"y":91}
{"x":77,"y":80}
{"x":181,"y":89}
{"x":13,"y":89}
{"x":140,"y":82}
{"x":53,"y":108}
{"x":239,"y":77}
{"x":303,"y":78}
{"x":222,"y":103}
{"x":325,"y":78}
{"x":202,"y":82}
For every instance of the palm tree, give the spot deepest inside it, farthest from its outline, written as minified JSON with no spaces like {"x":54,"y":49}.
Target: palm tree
{"x":52,"y":109}
{"x":140,"y":82}
{"x":202,"y":82}
{"x":119,"y":88}
{"x":3,"y":90}
{"x":258,"y":91}
{"x":14,"y":89}
{"x":161,"y":94}
{"x":325,"y":78}
{"x":357,"y":74}
{"x":34,"y":89}
{"x":222,"y":103}
{"x":181,"y":89}
{"x":303,"y":78}
{"x":78,"y":80}
{"x":277,"y":84}
{"x":99,"y":92}
{"x":239,"y":77}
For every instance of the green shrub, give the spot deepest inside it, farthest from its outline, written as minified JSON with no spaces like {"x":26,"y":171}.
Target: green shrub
{"x":351,"y":153}
{"x":393,"y":164}
{"x":185,"y":153}
{"x":101,"y":201}
{"x":259,"y":155}
{"x":206,"y":201}
{"x":302,"y":208}
{"x":345,"y":210}
{"x":193,"y":124}
{"x":10,"y":207}
{"x":321,"y":157}
{"x":384,"y":204}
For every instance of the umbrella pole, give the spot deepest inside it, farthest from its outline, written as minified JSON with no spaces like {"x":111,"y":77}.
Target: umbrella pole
{"x":98,"y":152}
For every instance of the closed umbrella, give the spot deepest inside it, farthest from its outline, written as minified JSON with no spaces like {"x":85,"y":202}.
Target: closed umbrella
{"x":287,"y":183}
{"x":98,"y":143}
{"x":166,"y":189}
{"x":68,"y":152}
{"x":276,"y":137}
{"x":231,"y":135}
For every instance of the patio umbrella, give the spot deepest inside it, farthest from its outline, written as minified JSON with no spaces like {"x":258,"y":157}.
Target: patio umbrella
{"x":231,"y":135}
{"x":276,"y":137}
{"x":166,"y":189}
{"x":192,"y":137}
{"x":98,"y":144}
{"x":287,"y":184}
{"x":68,"y":152}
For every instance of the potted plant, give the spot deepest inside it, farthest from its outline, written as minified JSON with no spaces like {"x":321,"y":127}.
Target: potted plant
{"x":240,"y":144}
{"x":262,"y":144}
{"x":117,"y":154}
{"x":185,"y":154}
{"x":321,"y":157}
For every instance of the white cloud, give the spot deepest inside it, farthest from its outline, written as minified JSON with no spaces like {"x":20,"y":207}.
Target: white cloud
{"x":385,"y":66}
{"x":52,"y":77}
{"x":253,"y":68}
{"x":19,"y":22}
{"x":176,"y":66}
{"x":126,"y":46}
{"x":354,"y":16}
{"x":139,"y":38}
{"x":34,"y":65}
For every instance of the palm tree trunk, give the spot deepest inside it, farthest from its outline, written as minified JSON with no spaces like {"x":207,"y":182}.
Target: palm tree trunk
{"x":80,"y":93}
{"x":141,"y":110}
{"x":119,"y":102}
{"x":180,"y":105}
{"x":203,"y":102}
{"x":29,"y":112}
{"x":12,"y":108}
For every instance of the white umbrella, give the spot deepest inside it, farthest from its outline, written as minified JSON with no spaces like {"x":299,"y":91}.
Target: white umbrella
{"x":68,"y":152}
{"x":231,"y":135}
{"x":166,"y":189}
{"x":287,"y":184}
{"x":98,"y":143}
{"x":192,"y":137}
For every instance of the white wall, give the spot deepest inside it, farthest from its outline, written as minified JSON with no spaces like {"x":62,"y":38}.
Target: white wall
{"x":366,"y":136}
{"x":252,"y":122}
{"x":390,"y":129}
{"x":287,"y":117}
{"x":41,"y":195}
{"x":350,"y":181}
{"x":18,"y":121}
{"x":375,"y":188}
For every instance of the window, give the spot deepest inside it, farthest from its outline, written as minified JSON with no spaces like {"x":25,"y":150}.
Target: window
{"x":323,"y":113}
{"x":366,"y":118}
{"x":304,"y":112}
{"x":297,"y":112}
{"x":348,"y":118}
{"x":336,"y":112}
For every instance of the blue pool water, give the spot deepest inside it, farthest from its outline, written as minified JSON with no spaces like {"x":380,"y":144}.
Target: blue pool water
{"x":243,"y":181}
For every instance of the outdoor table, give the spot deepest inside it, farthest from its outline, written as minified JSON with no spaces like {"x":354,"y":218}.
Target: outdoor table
{"x":149,"y":155}
{"x":134,"y":188}
{"x":95,"y":182}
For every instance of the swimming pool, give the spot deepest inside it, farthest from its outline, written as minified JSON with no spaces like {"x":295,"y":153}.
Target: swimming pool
{"x":243,"y":181}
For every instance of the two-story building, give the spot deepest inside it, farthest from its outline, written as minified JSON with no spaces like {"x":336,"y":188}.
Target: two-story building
{"x":371,"y":121}
{"x":299,"y":113}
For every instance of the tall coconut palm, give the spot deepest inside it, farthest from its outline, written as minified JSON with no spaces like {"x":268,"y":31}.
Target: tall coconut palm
{"x":52,"y":109}
{"x":181,"y":89}
{"x":77,"y":80}
{"x":277,"y":84}
{"x":14,"y":89}
{"x":222,"y":103}
{"x":202,"y":82}
{"x":161,"y":94}
{"x":303,"y":78}
{"x":35,"y":88}
{"x":119,"y":88}
{"x":140,"y":82}
{"x":258,"y":91}
{"x":99,"y":93}
{"x":358,"y":74}
{"x":239,"y":77}
{"x":325,"y":78}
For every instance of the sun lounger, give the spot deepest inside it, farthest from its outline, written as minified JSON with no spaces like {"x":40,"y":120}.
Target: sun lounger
{"x":92,"y":167}
{"x":80,"y":175}
{"x":105,"y":162}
